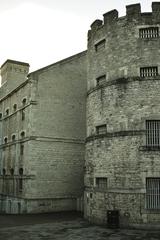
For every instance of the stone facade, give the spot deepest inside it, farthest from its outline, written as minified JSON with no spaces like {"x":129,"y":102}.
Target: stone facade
{"x":122,"y":168}
{"x":42,"y":136}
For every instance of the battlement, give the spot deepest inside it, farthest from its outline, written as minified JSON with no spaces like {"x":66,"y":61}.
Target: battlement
{"x":133,"y":13}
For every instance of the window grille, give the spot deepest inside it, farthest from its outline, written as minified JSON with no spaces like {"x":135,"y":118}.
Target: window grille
{"x":100,"y":45}
{"x":151,"y":32}
{"x":153,"y":133}
{"x":102,"y":129}
{"x":149,"y":71}
{"x":101,"y":80}
{"x":153,"y":193}
{"x":101,"y":183}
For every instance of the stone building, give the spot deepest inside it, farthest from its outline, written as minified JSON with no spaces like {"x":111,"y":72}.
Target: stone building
{"x":42,"y":128}
{"x":122,"y":169}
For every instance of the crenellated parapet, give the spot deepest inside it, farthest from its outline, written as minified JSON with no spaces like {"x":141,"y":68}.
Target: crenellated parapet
{"x":122,"y":47}
{"x":133,"y":14}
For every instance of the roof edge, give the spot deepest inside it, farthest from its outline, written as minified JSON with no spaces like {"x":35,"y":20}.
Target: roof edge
{"x":59,"y":62}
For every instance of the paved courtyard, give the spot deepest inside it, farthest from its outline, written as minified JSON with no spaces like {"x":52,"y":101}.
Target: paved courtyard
{"x":63,"y":227}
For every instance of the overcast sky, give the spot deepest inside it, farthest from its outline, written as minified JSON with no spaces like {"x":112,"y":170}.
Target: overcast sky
{"x":42,"y":32}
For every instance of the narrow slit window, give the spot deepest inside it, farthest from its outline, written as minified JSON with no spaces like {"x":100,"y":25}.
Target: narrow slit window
{"x":21,"y":149}
{"x":152,"y":193}
{"x":101,"y":80}
{"x":100,"y":45}
{"x":20,"y":184}
{"x":147,"y":33}
{"x":23,"y":115}
{"x":101,"y":129}
{"x":148,"y":72}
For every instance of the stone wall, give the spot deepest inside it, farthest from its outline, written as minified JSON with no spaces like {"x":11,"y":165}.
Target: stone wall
{"x":123,"y":102}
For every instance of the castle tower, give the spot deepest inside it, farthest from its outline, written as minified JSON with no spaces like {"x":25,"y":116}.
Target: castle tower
{"x":122,"y":171}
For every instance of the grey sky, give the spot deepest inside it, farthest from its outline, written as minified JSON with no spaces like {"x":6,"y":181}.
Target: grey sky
{"x":44,"y":31}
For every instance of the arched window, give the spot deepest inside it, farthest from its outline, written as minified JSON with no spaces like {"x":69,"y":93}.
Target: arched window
{"x":22,"y":134}
{"x":5,"y":139}
{"x":13,"y":137}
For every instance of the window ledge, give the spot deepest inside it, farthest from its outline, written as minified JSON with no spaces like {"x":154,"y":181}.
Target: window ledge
{"x":149,"y":148}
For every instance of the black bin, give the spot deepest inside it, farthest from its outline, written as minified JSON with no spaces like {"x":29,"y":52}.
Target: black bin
{"x":113,"y":218}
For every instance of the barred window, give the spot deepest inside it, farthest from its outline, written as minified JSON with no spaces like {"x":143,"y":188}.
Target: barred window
{"x":101,"y":183}
{"x":100,"y":45}
{"x":149,"y":71}
{"x":151,"y":32}
{"x":101,"y":80}
{"x":153,"y":133}
{"x":101,"y":129}
{"x":153,"y":193}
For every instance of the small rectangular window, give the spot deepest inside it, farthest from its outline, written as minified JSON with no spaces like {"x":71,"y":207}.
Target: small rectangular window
{"x":153,"y":193}
{"x":153,"y":133}
{"x":102,"y":129}
{"x":100,"y":45}
{"x":148,"y":72}
{"x":151,"y":32}
{"x":101,"y":182}
{"x":101,"y":80}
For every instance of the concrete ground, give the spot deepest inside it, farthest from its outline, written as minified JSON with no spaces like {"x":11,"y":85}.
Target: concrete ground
{"x":64,"y":226}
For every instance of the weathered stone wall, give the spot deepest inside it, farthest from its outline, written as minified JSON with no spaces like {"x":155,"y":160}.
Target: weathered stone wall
{"x":51,"y":153}
{"x":123,"y":102}
{"x":58,"y":127}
